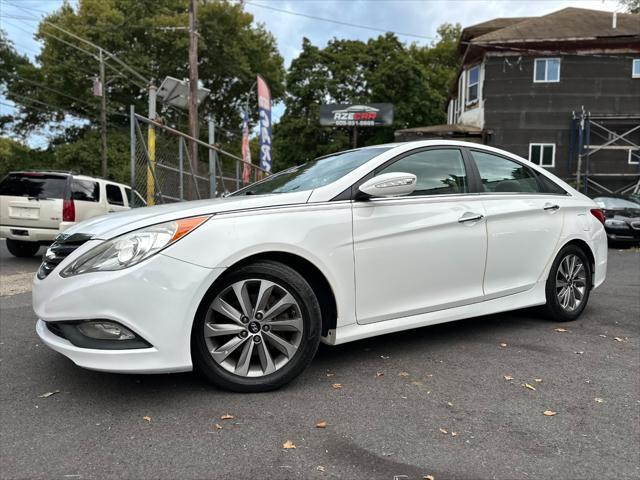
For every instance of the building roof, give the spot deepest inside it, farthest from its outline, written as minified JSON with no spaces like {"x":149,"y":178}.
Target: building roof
{"x":484,"y":28}
{"x":568,"y":24}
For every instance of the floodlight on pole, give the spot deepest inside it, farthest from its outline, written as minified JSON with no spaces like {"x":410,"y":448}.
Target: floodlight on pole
{"x":176,"y":93}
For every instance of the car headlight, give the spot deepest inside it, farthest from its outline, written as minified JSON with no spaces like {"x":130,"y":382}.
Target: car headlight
{"x":615,"y":223}
{"x":133,"y":247}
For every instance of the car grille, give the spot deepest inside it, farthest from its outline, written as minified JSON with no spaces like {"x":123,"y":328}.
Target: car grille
{"x":61,"y":248}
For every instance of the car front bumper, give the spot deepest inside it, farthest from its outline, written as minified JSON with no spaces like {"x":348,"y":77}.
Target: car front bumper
{"x":156,"y":299}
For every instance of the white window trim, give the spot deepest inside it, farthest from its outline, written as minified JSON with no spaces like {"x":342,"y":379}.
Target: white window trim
{"x":633,"y":68}
{"x":542,"y":145}
{"x":546,"y":70}
{"x":631,"y":162}
{"x":467,"y":75}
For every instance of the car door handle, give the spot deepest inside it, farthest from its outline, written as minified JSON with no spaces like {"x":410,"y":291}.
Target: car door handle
{"x":549,"y":207}
{"x":470,"y":217}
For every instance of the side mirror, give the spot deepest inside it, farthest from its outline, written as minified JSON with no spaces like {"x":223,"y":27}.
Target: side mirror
{"x":389,"y":185}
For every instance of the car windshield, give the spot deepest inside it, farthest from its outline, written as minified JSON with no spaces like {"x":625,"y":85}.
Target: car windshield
{"x":314,"y":174}
{"x":613,"y":203}
{"x":34,"y":185}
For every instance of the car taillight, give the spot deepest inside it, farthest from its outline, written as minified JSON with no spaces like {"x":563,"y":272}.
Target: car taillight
{"x":599,"y":214}
{"x":68,"y":210}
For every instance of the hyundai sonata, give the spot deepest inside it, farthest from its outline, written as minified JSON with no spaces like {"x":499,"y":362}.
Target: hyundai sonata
{"x":348,"y":246}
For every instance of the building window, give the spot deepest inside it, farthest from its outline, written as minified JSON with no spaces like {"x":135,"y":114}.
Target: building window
{"x":546,"y":70}
{"x":634,"y":157}
{"x":543,"y":154}
{"x":473,"y":81}
{"x":635,"y":71}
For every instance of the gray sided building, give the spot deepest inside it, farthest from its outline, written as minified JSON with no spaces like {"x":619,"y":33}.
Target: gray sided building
{"x":562,"y":90}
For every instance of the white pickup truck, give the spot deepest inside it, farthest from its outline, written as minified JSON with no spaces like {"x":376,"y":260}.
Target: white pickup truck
{"x":36,"y":206}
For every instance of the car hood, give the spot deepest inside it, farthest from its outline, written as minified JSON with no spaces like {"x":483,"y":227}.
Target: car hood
{"x":108,"y":226}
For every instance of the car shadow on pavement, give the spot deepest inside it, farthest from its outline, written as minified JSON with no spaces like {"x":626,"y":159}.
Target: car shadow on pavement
{"x":435,"y":341}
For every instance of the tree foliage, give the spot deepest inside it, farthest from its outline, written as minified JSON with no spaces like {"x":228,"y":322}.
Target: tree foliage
{"x":151,"y":37}
{"x":415,"y":79}
{"x":631,"y":6}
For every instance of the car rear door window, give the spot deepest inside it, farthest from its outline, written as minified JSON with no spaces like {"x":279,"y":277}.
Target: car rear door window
{"x":85,"y":190}
{"x":501,"y":175}
{"x":34,"y":185}
{"x":114,"y":195}
{"x":438,"y":171}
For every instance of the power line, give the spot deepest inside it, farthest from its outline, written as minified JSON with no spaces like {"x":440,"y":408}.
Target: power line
{"x":338,"y":22}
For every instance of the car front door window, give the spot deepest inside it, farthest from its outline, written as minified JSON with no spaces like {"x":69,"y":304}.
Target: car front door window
{"x":438,"y":171}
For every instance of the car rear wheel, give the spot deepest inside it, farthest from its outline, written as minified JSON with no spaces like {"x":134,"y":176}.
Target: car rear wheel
{"x":257,"y":329}
{"x":18,"y":248}
{"x":569,"y":284}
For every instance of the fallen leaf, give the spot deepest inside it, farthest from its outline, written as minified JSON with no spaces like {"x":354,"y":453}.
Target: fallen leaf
{"x":321,"y":424}
{"x":336,"y":386}
{"x":454,"y":434}
{"x":530,"y":387}
{"x":603,"y":336}
{"x":147,"y":418}
{"x":618,"y":339}
{"x":379,"y":374}
{"x":403,"y":374}
{"x":599,"y":400}
{"x":226,"y":416}
{"x":428,"y":477}
{"x":538,"y":380}
{"x":450,"y":404}
{"x":443,"y":430}
{"x":330,"y":374}
{"x":288,"y":445}
{"x":549,"y":413}
{"x":320,"y":468}
{"x":218,"y":426}
{"x":503,"y":344}
{"x":508,"y":377}
{"x":579,"y":353}
{"x":384,"y":357}
{"x":561,"y":330}
{"x":48,"y":394}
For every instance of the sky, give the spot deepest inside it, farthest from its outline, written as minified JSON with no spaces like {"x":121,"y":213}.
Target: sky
{"x":413,"y":21}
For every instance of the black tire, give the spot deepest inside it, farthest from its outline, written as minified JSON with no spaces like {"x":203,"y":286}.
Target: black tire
{"x":311,"y":321}
{"x":21,"y":249}
{"x":553,"y":308}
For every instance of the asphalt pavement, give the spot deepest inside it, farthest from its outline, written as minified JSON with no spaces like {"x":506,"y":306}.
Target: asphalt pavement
{"x":449,"y":401}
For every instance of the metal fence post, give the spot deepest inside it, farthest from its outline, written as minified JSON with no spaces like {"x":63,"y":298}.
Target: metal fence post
{"x":132,"y":150}
{"x":213,"y":184}
{"x":181,"y":167}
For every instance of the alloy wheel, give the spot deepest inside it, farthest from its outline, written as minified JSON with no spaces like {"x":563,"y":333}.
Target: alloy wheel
{"x":253,"y":327}
{"x":571,"y":282}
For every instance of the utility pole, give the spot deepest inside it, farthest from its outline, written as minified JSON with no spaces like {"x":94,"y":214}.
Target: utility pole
{"x":103,"y":117}
{"x":193,"y":82}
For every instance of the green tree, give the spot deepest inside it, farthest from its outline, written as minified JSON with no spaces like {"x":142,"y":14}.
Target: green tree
{"x":415,"y":79}
{"x":151,"y":37}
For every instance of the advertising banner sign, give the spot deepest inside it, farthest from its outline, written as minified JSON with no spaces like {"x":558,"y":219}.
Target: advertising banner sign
{"x":345,"y":115}
{"x":264,"y":109}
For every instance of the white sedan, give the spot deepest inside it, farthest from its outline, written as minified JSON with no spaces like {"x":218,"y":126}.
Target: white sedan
{"x":348,"y":246}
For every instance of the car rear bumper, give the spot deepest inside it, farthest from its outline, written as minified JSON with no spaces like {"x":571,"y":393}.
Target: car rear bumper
{"x":28,"y":234}
{"x":156,"y":299}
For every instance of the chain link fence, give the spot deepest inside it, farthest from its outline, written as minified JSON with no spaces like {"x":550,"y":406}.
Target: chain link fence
{"x":162,"y":170}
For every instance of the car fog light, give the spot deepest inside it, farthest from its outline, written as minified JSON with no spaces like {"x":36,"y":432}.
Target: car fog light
{"x":105,"y":330}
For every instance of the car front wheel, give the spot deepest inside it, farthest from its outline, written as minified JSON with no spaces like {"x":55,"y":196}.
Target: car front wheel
{"x":569,"y":284}
{"x":257,"y":329}
{"x":19,"y":248}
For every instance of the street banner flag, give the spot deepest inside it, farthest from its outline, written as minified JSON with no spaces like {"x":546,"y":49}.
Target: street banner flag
{"x":97,"y":87}
{"x":246,"y":151}
{"x":264,"y":109}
